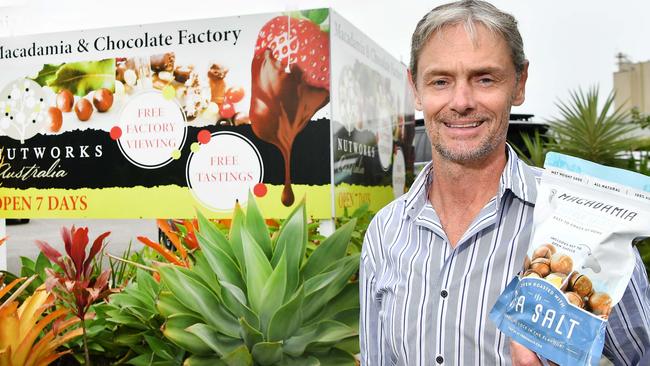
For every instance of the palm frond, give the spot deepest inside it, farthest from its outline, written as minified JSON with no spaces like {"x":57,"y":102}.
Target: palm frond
{"x":597,"y":134}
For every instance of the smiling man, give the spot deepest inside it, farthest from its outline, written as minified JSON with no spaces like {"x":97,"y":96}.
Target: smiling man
{"x":435,"y":260}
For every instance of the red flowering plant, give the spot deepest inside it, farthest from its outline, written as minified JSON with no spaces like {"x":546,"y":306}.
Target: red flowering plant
{"x":76,"y":285}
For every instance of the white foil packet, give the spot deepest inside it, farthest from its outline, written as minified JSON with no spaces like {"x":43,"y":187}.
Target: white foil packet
{"x":579,"y":261}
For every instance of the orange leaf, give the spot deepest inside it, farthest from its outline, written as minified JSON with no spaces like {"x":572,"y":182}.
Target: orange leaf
{"x":164,"y":226}
{"x":162,"y":250}
{"x":28,"y":341}
{"x":8,"y":288}
{"x":51,"y":358}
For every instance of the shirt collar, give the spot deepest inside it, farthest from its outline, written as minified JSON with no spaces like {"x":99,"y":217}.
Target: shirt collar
{"x":517,"y":177}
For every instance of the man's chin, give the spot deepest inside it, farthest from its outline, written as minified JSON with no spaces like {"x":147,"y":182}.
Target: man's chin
{"x":464,"y":154}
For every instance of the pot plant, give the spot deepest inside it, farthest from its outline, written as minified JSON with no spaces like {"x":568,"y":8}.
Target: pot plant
{"x":253,"y":300}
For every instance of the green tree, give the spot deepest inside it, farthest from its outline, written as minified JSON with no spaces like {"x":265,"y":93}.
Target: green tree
{"x":585,"y":131}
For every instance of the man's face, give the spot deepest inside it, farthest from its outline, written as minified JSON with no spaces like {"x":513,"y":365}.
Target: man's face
{"x":465,"y":89}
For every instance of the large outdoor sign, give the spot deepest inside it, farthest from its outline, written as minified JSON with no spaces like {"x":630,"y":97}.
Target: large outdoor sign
{"x":162,"y":120}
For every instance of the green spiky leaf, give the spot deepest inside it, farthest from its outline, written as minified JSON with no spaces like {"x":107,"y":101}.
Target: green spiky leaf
{"x":195,"y":360}
{"x":257,"y":227}
{"x":198,"y":298}
{"x":330,"y":250}
{"x":255,"y":279}
{"x":219,"y":343}
{"x":220,"y":261}
{"x":273,"y":292}
{"x":174,"y":330}
{"x":320,"y":289}
{"x":168,"y":305}
{"x":286,"y":321}
{"x":239,"y":357}
{"x":235,"y":300}
{"x":236,"y":226}
{"x":322,"y":332}
{"x":215,"y":237}
{"x":250,"y":334}
{"x":292,"y":239}
{"x":267,"y":353}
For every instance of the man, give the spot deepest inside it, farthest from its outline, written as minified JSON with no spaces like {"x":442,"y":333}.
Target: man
{"x":435,"y":260}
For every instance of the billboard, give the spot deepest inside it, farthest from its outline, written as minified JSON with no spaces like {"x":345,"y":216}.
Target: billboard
{"x":165,"y":119}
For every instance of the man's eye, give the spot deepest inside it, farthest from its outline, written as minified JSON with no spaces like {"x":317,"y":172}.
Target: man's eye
{"x":486,"y":81}
{"x":439,"y":83}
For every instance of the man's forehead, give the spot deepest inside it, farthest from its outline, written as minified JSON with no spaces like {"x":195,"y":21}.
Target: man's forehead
{"x":473,"y":31}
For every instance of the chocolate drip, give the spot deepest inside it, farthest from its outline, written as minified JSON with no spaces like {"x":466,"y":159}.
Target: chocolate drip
{"x":281,"y":106}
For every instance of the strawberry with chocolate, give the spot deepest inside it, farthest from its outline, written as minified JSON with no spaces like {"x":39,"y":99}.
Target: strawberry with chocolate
{"x":290,"y":82}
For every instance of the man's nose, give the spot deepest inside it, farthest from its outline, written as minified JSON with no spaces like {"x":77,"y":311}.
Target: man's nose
{"x":462,"y":99}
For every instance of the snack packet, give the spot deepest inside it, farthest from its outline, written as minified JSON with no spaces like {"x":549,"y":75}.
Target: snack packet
{"x":579,"y":261}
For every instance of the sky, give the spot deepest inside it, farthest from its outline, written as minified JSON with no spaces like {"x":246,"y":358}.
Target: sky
{"x":570,"y":44}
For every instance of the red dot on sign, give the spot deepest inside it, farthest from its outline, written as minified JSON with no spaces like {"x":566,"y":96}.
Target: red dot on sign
{"x":259,"y":190}
{"x":204,"y":136}
{"x":116,"y":133}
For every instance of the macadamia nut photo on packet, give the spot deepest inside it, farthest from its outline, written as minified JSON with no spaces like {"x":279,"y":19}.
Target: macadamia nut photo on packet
{"x":579,"y":261}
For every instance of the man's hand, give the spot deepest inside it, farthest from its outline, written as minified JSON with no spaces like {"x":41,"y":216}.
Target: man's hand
{"x":522,"y":356}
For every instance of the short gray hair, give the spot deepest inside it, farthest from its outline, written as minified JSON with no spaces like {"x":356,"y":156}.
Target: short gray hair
{"x":468,"y":12}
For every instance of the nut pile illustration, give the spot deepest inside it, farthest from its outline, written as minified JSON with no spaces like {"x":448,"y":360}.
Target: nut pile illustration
{"x":557,"y":268}
{"x":102,"y":99}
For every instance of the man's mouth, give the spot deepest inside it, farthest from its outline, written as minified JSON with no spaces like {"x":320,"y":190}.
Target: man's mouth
{"x":464,"y":125}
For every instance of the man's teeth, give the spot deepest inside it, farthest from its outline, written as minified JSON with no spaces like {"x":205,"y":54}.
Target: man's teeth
{"x":466,"y":125}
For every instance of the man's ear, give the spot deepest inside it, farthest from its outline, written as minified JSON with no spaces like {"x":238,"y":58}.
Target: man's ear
{"x":520,"y":87}
{"x":414,"y":90}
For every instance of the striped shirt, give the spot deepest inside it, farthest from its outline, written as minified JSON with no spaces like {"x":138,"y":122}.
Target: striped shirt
{"x":426,"y":303}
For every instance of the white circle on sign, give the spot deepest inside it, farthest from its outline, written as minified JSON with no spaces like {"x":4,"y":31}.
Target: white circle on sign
{"x":384,"y":138}
{"x":153,"y":128}
{"x":224,"y":170}
{"x":399,"y":173}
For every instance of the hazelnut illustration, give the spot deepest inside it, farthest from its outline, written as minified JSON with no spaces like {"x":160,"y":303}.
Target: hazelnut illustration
{"x":65,"y":100}
{"x":541,"y":266}
{"x":103,"y":99}
{"x":83,"y":109}
{"x":561,"y":263}
{"x":580,"y":284}
{"x":575,"y":299}
{"x":600,"y":304}
{"x":542,"y":252}
{"x":55,"y":118}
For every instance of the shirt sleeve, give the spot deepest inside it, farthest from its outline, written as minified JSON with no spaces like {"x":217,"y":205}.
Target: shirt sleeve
{"x":628,"y":328}
{"x":370,"y":336}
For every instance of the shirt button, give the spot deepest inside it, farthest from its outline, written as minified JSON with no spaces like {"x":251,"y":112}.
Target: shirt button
{"x":444,"y":293}
{"x":439,"y":359}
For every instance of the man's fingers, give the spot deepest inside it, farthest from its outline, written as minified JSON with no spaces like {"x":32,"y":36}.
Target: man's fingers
{"x":522,"y":356}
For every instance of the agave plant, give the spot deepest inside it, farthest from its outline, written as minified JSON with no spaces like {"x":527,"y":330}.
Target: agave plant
{"x":75,"y":285}
{"x":535,"y":149}
{"x":253,"y":300}
{"x":31,"y":334}
{"x":596,"y":135}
